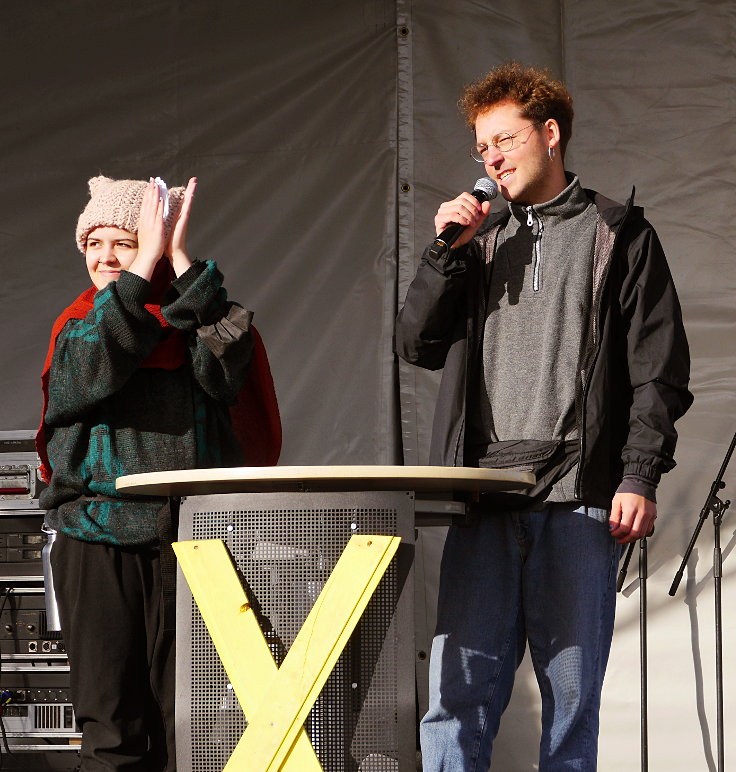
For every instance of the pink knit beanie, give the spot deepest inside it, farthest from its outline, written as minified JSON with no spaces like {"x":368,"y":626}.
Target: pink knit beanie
{"x":117,"y":204}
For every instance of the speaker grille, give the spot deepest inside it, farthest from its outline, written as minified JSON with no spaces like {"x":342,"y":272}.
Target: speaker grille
{"x":285,"y":547}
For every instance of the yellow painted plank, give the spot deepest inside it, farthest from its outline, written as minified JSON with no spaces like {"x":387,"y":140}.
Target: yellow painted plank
{"x":237,"y":636}
{"x":276,"y":723}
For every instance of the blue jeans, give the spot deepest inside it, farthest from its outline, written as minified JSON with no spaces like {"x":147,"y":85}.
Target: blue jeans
{"x":546,"y":577}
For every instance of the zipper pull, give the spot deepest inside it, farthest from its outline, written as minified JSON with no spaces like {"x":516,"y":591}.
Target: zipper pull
{"x":534,"y":221}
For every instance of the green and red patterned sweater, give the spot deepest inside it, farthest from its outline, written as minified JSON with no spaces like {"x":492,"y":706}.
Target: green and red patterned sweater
{"x":112,"y":411}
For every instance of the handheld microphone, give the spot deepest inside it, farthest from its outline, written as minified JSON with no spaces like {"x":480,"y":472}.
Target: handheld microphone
{"x":485,"y":190}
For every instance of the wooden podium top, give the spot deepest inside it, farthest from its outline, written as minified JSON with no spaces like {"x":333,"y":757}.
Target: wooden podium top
{"x":263,"y":479}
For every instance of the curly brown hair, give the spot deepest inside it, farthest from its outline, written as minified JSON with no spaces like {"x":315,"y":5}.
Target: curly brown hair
{"x":535,"y":90}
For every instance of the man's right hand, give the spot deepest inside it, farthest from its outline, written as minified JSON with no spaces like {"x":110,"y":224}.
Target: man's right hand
{"x":464,"y":210}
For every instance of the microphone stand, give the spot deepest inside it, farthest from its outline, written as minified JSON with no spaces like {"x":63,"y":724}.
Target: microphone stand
{"x":717,"y":507}
{"x":643,"y":670}
{"x":643,"y":710}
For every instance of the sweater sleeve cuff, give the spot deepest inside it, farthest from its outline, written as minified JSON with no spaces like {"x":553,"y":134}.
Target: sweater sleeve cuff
{"x":639,"y":486}
{"x":202,"y":299}
{"x":182,"y":283}
{"x":132,"y":289}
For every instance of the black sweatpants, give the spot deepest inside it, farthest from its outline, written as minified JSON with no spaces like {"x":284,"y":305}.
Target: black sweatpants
{"x":120,"y":652}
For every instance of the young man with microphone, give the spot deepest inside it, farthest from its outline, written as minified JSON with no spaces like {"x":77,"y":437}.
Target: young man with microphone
{"x":559,"y":330}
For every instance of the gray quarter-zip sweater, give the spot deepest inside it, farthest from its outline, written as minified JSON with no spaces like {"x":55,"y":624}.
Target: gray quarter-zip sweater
{"x":538,"y":305}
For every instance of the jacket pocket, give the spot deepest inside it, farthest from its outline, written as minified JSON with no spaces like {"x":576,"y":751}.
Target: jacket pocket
{"x":548,"y":460}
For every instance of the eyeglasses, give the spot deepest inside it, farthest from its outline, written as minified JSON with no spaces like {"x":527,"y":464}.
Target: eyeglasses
{"x":502,"y":142}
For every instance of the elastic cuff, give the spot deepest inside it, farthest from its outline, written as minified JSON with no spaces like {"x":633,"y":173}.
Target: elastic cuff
{"x":451,"y":263}
{"x":646,"y":471}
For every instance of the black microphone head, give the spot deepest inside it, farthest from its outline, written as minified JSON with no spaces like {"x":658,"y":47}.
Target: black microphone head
{"x":487,"y":189}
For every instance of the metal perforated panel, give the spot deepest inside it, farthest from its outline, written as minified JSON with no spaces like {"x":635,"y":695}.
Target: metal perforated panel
{"x":285,"y":546}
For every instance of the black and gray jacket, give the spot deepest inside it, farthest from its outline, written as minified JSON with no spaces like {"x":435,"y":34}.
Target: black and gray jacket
{"x":634,"y":366}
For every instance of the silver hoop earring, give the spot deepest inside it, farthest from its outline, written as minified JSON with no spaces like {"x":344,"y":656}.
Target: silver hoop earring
{"x":551,"y":152}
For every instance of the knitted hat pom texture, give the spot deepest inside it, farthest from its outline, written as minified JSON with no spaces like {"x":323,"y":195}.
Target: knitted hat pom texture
{"x":117,"y":204}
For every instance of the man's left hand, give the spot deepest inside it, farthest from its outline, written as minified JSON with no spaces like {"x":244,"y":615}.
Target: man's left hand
{"x":632,"y":517}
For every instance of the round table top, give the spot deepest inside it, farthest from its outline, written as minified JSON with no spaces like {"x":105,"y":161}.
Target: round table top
{"x":262,"y":479}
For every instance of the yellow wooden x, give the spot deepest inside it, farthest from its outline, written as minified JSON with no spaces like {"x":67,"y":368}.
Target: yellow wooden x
{"x":276,"y":701}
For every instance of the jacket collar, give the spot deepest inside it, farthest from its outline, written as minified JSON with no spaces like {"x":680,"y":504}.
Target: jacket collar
{"x":611,"y":212}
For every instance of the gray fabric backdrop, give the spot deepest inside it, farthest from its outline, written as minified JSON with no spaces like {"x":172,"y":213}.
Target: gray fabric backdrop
{"x":324,"y":136}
